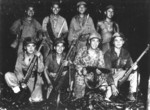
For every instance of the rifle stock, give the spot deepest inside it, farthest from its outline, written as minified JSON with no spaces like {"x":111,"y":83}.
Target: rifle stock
{"x":128,"y":72}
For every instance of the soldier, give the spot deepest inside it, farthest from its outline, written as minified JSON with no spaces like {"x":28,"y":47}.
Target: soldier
{"x":119,"y":61}
{"x":24,"y":59}
{"x":81,"y":26}
{"x":91,"y":56}
{"x":53,"y":62}
{"x":107,"y":27}
{"x":55,"y":25}
{"x":25,"y":27}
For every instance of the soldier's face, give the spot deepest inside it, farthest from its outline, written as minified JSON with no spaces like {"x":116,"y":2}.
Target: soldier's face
{"x":94,"y":43}
{"x":55,"y":9}
{"x":118,"y":42}
{"x":110,"y":13}
{"x":82,"y":9}
{"x":59,"y":48}
{"x":30,"y":48}
{"x":30,"y":11}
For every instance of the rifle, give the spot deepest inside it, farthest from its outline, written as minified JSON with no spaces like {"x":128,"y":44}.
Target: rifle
{"x":55,"y":80}
{"x":126,"y":75}
{"x":61,"y":67}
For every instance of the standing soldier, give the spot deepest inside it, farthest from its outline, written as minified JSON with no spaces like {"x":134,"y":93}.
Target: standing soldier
{"x":107,"y":27}
{"x":55,"y":26}
{"x":81,"y":26}
{"x":25,"y":27}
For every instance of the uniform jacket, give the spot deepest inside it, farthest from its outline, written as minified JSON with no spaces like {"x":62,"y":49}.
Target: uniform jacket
{"x":21,"y":67}
{"x":28,"y":29}
{"x":84,"y":60}
{"x":124,"y":60}
{"x":56,"y":25}
{"x":77,"y":24}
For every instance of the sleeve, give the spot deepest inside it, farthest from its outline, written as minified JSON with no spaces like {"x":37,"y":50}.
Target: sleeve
{"x":71,"y":31}
{"x":47,"y":62}
{"x":44,"y":23}
{"x":89,"y":26}
{"x":107,"y":59}
{"x":78,"y":59}
{"x":98,"y":28}
{"x":40,"y":64}
{"x":15,"y":28}
{"x":110,"y":79}
{"x":38,"y":30}
{"x":129,"y":62}
{"x":116,"y":27}
{"x":18,"y":68}
{"x":101,"y":62}
{"x":38,"y":26}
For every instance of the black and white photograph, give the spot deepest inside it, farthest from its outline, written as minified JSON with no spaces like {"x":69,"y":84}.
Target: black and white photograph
{"x":74,"y":55}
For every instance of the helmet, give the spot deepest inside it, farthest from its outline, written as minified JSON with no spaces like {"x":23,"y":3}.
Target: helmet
{"x":59,"y":40}
{"x":81,"y":3}
{"x":119,"y":34}
{"x":55,"y":3}
{"x":109,"y":6}
{"x":95,"y":35}
{"x":28,"y":40}
{"x":27,"y":7}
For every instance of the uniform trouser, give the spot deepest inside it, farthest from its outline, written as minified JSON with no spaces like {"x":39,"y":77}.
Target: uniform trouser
{"x":133,"y":79}
{"x":62,"y":83}
{"x":35,"y":89}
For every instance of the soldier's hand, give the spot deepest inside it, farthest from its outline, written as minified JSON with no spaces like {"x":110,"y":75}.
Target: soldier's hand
{"x":64,"y":73}
{"x":98,"y":71}
{"x":53,"y":74}
{"x":84,"y":71}
{"x":65,"y":63}
{"x":135,"y":67}
{"x":37,"y":54}
{"x":16,"y":89}
{"x":79,"y":69}
{"x":114,"y":90}
{"x":49,"y":82}
{"x":23,"y":85}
